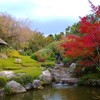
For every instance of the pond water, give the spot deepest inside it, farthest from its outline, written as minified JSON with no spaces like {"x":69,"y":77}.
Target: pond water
{"x":58,"y":92}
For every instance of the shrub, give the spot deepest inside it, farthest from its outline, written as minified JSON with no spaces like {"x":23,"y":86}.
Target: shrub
{"x":91,"y":76}
{"x":27,"y":53}
{"x":81,"y":71}
{"x":53,"y":46}
{"x":66,"y":61}
{"x":13,"y":53}
{"x":26,"y":79}
{"x":34,"y":56}
{"x":78,"y":71}
{"x":95,"y":76}
{"x":23,"y":79}
{"x":51,"y":58}
{"x":7,"y":90}
{"x":18,"y":79}
{"x":81,"y":82}
{"x":43,"y":55}
{"x":3,"y":81}
{"x":50,"y":64}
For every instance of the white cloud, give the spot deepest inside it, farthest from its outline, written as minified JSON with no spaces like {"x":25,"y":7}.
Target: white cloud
{"x":60,"y":8}
{"x":48,"y":15}
{"x":45,"y":9}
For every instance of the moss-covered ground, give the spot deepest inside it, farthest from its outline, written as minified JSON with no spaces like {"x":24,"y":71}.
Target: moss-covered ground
{"x":27,"y":65}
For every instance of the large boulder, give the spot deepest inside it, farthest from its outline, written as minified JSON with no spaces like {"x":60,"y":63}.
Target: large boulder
{"x":37,"y":84}
{"x":8,"y":74}
{"x":46,"y":77}
{"x":16,"y":87}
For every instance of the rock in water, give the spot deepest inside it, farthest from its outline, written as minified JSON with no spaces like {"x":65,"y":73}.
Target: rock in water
{"x":16,"y":87}
{"x":37,"y":84}
{"x":69,"y":81}
{"x":46,"y":77}
{"x":29,"y":86}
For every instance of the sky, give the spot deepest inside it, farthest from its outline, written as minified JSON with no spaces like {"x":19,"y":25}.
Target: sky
{"x":48,"y":16}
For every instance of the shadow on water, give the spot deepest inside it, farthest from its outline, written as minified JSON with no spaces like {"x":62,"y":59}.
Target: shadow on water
{"x":57,"y":92}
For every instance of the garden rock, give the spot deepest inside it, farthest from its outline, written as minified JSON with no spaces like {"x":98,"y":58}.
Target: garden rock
{"x":46,"y":77}
{"x":18,"y":60}
{"x":92,"y":82}
{"x":8,"y":74}
{"x":98,"y":82}
{"x":16,"y":87}
{"x":61,"y":64}
{"x":29,"y":86}
{"x":59,"y":73}
{"x":37,"y":84}
{"x":3,"y":56}
{"x":72,"y":67}
{"x":69,"y":81}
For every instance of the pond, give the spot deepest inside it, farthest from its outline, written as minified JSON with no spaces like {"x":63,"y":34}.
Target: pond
{"x":58,"y":92}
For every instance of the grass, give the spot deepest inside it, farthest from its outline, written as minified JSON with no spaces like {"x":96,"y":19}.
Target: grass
{"x":27,"y":65}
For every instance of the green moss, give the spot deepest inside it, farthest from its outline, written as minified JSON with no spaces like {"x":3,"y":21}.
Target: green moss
{"x":33,"y":71}
{"x":31,"y":67}
{"x":8,"y":64}
{"x":27,"y":65}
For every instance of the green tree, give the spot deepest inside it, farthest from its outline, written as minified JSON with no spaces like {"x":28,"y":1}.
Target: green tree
{"x":49,"y":38}
{"x":37,"y":42}
{"x":74,"y":29}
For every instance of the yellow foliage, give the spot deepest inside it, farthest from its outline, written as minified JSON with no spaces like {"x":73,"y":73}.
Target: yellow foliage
{"x":14,"y":54}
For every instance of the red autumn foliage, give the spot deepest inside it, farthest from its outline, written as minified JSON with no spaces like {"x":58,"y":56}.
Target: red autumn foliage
{"x":88,"y":44}
{"x":95,"y":9}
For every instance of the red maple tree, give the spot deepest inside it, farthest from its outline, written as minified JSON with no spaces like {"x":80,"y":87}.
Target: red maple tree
{"x":88,"y":44}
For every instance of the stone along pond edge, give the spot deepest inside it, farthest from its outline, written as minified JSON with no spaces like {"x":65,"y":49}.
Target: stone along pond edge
{"x":48,"y":77}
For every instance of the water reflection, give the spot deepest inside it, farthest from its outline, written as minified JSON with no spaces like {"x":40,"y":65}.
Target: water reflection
{"x":54,"y":93}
